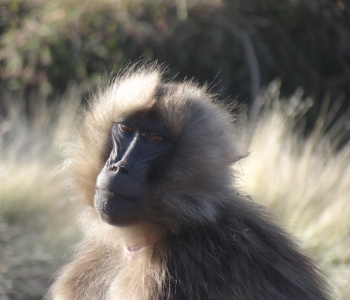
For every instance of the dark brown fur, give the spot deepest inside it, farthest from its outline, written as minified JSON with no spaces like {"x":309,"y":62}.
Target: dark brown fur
{"x":208,"y":241}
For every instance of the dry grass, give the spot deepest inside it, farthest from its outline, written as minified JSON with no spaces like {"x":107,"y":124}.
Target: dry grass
{"x":305,"y":181}
{"x":35,"y":218}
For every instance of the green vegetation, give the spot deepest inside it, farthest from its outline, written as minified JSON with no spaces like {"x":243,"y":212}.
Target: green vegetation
{"x":239,"y":45}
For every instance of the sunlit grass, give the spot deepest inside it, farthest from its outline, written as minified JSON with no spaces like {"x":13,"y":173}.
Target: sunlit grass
{"x":36,"y":224}
{"x":306,"y":182}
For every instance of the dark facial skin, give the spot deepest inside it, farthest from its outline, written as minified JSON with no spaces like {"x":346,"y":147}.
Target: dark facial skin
{"x":124,"y":183}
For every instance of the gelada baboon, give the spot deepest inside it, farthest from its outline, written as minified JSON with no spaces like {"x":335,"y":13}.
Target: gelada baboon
{"x":152,"y":164}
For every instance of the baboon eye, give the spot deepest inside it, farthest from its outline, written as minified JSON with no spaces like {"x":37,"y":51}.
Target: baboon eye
{"x":126,"y":128}
{"x":157,"y":138}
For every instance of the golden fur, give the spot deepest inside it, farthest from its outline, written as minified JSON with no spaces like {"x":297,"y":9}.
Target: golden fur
{"x":197,"y":216}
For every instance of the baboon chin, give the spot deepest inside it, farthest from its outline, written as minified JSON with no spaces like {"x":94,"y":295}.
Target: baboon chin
{"x":152,"y":168}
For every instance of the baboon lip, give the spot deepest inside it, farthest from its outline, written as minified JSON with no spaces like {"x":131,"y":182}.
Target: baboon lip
{"x":102,"y":190}
{"x":112,"y":194}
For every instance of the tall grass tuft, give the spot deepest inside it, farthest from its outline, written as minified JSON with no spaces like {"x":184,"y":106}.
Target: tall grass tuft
{"x":304,"y":180}
{"x":35,"y":217}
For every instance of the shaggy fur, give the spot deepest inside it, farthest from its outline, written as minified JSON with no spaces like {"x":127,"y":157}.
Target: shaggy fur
{"x":202,"y":240}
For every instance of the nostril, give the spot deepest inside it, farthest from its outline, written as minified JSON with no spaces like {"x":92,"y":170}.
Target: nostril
{"x":123,"y":169}
{"x":114,"y":168}
{"x":119,"y":169}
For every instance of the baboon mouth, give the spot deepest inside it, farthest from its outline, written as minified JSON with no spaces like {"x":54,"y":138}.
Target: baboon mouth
{"x":114,"y":195}
{"x":103,"y":191}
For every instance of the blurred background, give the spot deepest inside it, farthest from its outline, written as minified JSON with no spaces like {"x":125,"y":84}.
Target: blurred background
{"x":286,"y":62}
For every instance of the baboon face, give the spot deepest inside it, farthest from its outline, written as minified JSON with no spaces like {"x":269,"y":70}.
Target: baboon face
{"x":140,"y":147}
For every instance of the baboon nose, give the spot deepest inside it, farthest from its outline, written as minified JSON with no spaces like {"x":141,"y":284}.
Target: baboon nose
{"x":123,"y":169}
{"x":119,"y":168}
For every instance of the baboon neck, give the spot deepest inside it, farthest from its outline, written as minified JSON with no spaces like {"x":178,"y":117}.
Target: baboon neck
{"x":137,"y":238}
